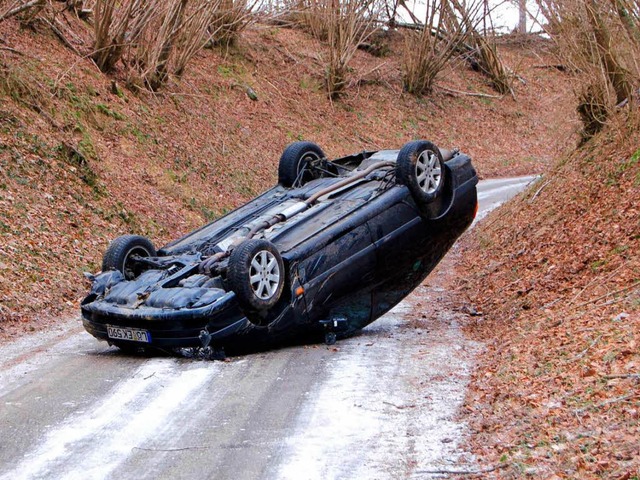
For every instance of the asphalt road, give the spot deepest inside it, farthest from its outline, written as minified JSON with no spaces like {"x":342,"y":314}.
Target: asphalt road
{"x":377,"y":406}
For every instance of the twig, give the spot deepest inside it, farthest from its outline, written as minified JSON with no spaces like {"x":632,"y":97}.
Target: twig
{"x":40,"y":110}
{"x":584,"y":352}
{"x":22,"y":8}
{"x":463,"y":472}
{"x":558,"y":66}
{"x":286,"y":53}
{"x":399,"y":407}
{"x":377,"y":67}
{"x":609,"y":294}
{"x":622,"y":375}
{"x":61,"y":36}
{"x":12,"y":50}
{"x":274,"y":87}
{"x":538,"y":191}
{"x":599,"y":281}
{"x":367,"y":140}
{"x":606,"y":402}
{"x":469,"y":94}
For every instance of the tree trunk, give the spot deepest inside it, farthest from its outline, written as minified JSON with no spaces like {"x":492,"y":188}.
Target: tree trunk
{"x":617,"y":74}
{"x":522,"y":18}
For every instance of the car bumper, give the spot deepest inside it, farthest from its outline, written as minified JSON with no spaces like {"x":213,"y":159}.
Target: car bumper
{"x":166,"y":327}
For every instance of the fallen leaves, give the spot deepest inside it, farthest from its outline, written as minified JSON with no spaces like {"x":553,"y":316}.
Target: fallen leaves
{"x":561,"y":321}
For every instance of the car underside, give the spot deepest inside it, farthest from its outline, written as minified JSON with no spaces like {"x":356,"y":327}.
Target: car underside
{"x":328,"y":250}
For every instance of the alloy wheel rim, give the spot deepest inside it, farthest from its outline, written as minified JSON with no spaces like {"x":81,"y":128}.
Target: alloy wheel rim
{"x":429,"y":172}
{"x":264,"y":275}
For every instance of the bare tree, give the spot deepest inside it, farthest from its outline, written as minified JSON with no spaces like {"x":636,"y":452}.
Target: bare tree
{"x":349,"y":23}
{"x":451,"y":27}
{"x":428,"y":49}
{"x":522,"y":16}
{"x":158,"y":38}
{"x":599,"y":41}
{"x":110,"y":30}
{"x":343,"y":24}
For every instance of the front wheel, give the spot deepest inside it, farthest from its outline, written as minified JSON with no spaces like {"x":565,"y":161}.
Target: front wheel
{"x":256,"y":274}
{"x":420,"y":167}
{"x":120,"y":255}
{"x":297,"y":162}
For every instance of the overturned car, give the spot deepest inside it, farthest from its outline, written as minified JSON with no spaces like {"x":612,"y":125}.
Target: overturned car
{"x":335,"y":245}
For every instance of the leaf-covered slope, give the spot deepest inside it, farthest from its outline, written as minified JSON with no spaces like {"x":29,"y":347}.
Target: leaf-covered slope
{"x":556,"y":274}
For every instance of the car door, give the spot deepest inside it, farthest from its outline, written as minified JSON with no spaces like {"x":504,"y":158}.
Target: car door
{"x":399,"y":236}
{"x":337,"y":277}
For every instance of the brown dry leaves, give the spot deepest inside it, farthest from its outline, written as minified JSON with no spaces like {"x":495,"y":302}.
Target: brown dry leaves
{"x":557,"y":275}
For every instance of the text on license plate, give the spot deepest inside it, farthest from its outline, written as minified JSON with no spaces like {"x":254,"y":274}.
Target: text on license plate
{"x":133,"y":334}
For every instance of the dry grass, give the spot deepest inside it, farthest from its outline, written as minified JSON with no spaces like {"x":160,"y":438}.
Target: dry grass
{"x":343,"y":24}
{"x":600,"y":41}
{"x":156,"y":39}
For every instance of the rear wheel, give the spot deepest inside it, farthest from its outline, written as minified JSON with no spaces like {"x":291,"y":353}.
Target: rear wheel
{"x":296,"y":164}
{"x":120,"y":255}
{"x":256,"y":274}
{"x":421,"y":168}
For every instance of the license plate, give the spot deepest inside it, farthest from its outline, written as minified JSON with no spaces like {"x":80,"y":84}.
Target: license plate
{"x":132,"y":334}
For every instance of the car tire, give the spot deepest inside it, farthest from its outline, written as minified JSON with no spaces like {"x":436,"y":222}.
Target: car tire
{"x":293,"y":161}
{"x":421,"y":168}
{"x":119,"y":253}
{"x":256,"y":275}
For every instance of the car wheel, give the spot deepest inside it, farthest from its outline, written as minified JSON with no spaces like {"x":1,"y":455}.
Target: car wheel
{"x":119,"y":255}
{"x":256,"y":274}
{"x":292,"y":170}
{"x":421,"y":168}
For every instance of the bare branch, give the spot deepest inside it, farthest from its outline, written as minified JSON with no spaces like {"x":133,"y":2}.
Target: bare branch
{"x":21,"y":8}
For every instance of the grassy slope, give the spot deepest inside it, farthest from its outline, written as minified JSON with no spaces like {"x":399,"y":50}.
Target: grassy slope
{"x":557,"y":276}
{"x":82,"y":162}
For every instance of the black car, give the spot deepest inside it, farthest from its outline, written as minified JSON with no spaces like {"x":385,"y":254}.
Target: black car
{"x":335,"y":245}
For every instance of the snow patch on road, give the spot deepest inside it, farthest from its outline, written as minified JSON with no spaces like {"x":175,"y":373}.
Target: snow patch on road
{"x":30,"y":352}
{"x":380,"y":414}
{"x":90,"y":445}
